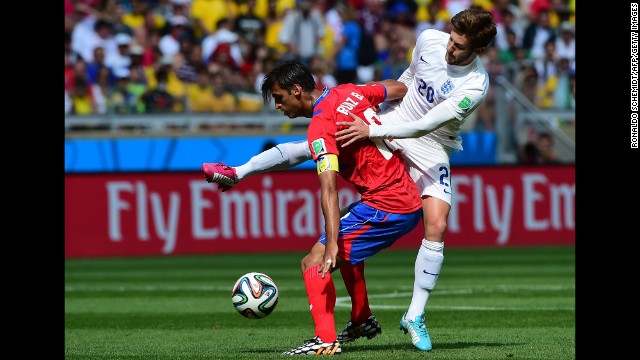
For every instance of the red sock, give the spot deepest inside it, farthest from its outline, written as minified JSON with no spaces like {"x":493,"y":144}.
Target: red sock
{"x":321,"y":294}
{"x":353,"y":276}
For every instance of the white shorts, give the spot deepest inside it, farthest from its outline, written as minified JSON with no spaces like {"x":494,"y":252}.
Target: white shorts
{"x":428,"y":163}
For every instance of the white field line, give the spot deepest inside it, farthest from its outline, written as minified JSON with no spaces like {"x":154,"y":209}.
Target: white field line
{"x":469,"y":308}
{"x":345,"y":301}
{"x":395,"y":294}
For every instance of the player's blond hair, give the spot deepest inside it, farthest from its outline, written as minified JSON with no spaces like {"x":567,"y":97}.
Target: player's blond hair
{"x":477,"y":25}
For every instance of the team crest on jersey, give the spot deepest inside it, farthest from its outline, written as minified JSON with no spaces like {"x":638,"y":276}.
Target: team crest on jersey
{"x":466,"y":104}
{"x":318,"y":147}
{"x":446,"y":87}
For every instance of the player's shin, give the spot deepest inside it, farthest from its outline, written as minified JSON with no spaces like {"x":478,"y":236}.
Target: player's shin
{"x":321,"y":293}
{"x":280,"y":157}
{"x":427,"y":269}
{"x":354,"y":281}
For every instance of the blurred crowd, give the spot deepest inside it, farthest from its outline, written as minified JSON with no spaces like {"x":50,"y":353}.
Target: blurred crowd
{"x":209,"y":56}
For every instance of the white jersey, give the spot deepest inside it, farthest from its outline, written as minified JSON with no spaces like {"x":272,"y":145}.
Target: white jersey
{"x":448,"y":93}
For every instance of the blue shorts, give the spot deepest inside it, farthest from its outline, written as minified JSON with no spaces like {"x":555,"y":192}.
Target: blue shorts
{"x":365,"y":230}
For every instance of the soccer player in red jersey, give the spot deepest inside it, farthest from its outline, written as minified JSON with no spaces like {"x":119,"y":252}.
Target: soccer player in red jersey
{"x":446,"y":83}
{"x":390,"y":204}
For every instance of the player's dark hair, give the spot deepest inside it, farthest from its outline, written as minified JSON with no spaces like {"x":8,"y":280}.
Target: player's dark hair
{"x":286,"y":74}
{"x":477,"y":25}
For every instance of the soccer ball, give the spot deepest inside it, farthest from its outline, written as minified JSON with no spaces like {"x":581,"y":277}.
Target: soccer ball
{"x":254,"y":295}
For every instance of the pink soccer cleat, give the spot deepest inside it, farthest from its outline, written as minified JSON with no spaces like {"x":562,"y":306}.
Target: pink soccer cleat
{"x":220,"y":173}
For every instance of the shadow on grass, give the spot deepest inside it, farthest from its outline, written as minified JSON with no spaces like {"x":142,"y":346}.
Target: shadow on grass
{"x":409,"y":346}
{"x":355,"y":348}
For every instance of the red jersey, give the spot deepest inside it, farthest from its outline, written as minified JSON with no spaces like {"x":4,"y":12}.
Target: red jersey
{"x":378,"y":172}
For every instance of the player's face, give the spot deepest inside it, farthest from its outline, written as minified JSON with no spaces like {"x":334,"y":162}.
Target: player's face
{"x":459,"y":51}
{"x":288,"y":102}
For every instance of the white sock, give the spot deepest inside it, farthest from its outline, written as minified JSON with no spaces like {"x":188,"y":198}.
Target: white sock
{"x":280,"y":157}
{"x":427,"y":268}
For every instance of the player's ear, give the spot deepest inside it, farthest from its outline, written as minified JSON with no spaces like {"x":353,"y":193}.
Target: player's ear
{"x":481,"y":50}
{"x":297,"y":90}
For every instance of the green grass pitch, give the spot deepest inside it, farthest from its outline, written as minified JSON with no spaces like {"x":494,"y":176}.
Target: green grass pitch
{"x":489,"y":303}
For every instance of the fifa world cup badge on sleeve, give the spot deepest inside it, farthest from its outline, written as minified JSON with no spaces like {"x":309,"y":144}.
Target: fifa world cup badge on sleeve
{"x":466,"y":104}
{"x":318,"y":147}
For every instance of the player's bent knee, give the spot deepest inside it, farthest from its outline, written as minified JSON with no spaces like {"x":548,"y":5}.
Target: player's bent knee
{"x":435,"y":230}
{"x":306,"y":263}
{"x":310,"y":260}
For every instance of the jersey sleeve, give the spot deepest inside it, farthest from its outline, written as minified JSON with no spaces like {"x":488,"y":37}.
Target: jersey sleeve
{"x":408,"y":73}
{"x":434,"y":119}
{"x":467,"y":98}
{"x":321,"y":134}
{"x":457,"y":107}
{"x":374,"y":92}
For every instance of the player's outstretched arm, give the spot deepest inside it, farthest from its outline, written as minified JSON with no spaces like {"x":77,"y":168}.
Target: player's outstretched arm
{"x":280,"y":157}
{"x":358,"y":130}
{"x":395,"y":89}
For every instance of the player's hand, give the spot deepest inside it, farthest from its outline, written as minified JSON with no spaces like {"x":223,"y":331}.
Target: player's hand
{"x":355,"y":131}
{"x":329,"y":259}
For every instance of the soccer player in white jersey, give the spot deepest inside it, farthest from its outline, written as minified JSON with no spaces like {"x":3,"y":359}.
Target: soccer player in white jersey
{"x":446,"y":82}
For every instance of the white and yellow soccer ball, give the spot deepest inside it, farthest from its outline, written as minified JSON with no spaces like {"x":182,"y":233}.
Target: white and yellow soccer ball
{"x":255,"y":295}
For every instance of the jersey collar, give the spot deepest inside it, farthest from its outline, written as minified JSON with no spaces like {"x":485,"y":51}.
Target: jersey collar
{"x":325,"y":92}
{"x":464,"y":68}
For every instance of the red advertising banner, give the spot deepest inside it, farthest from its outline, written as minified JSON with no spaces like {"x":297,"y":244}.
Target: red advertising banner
{"x":140,"y":214}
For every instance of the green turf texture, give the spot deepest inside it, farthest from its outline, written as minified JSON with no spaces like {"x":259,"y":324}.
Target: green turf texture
{"x":489,"y":303}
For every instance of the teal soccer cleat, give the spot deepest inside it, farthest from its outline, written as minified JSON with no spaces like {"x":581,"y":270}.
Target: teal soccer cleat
{"x":418,"y":330}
